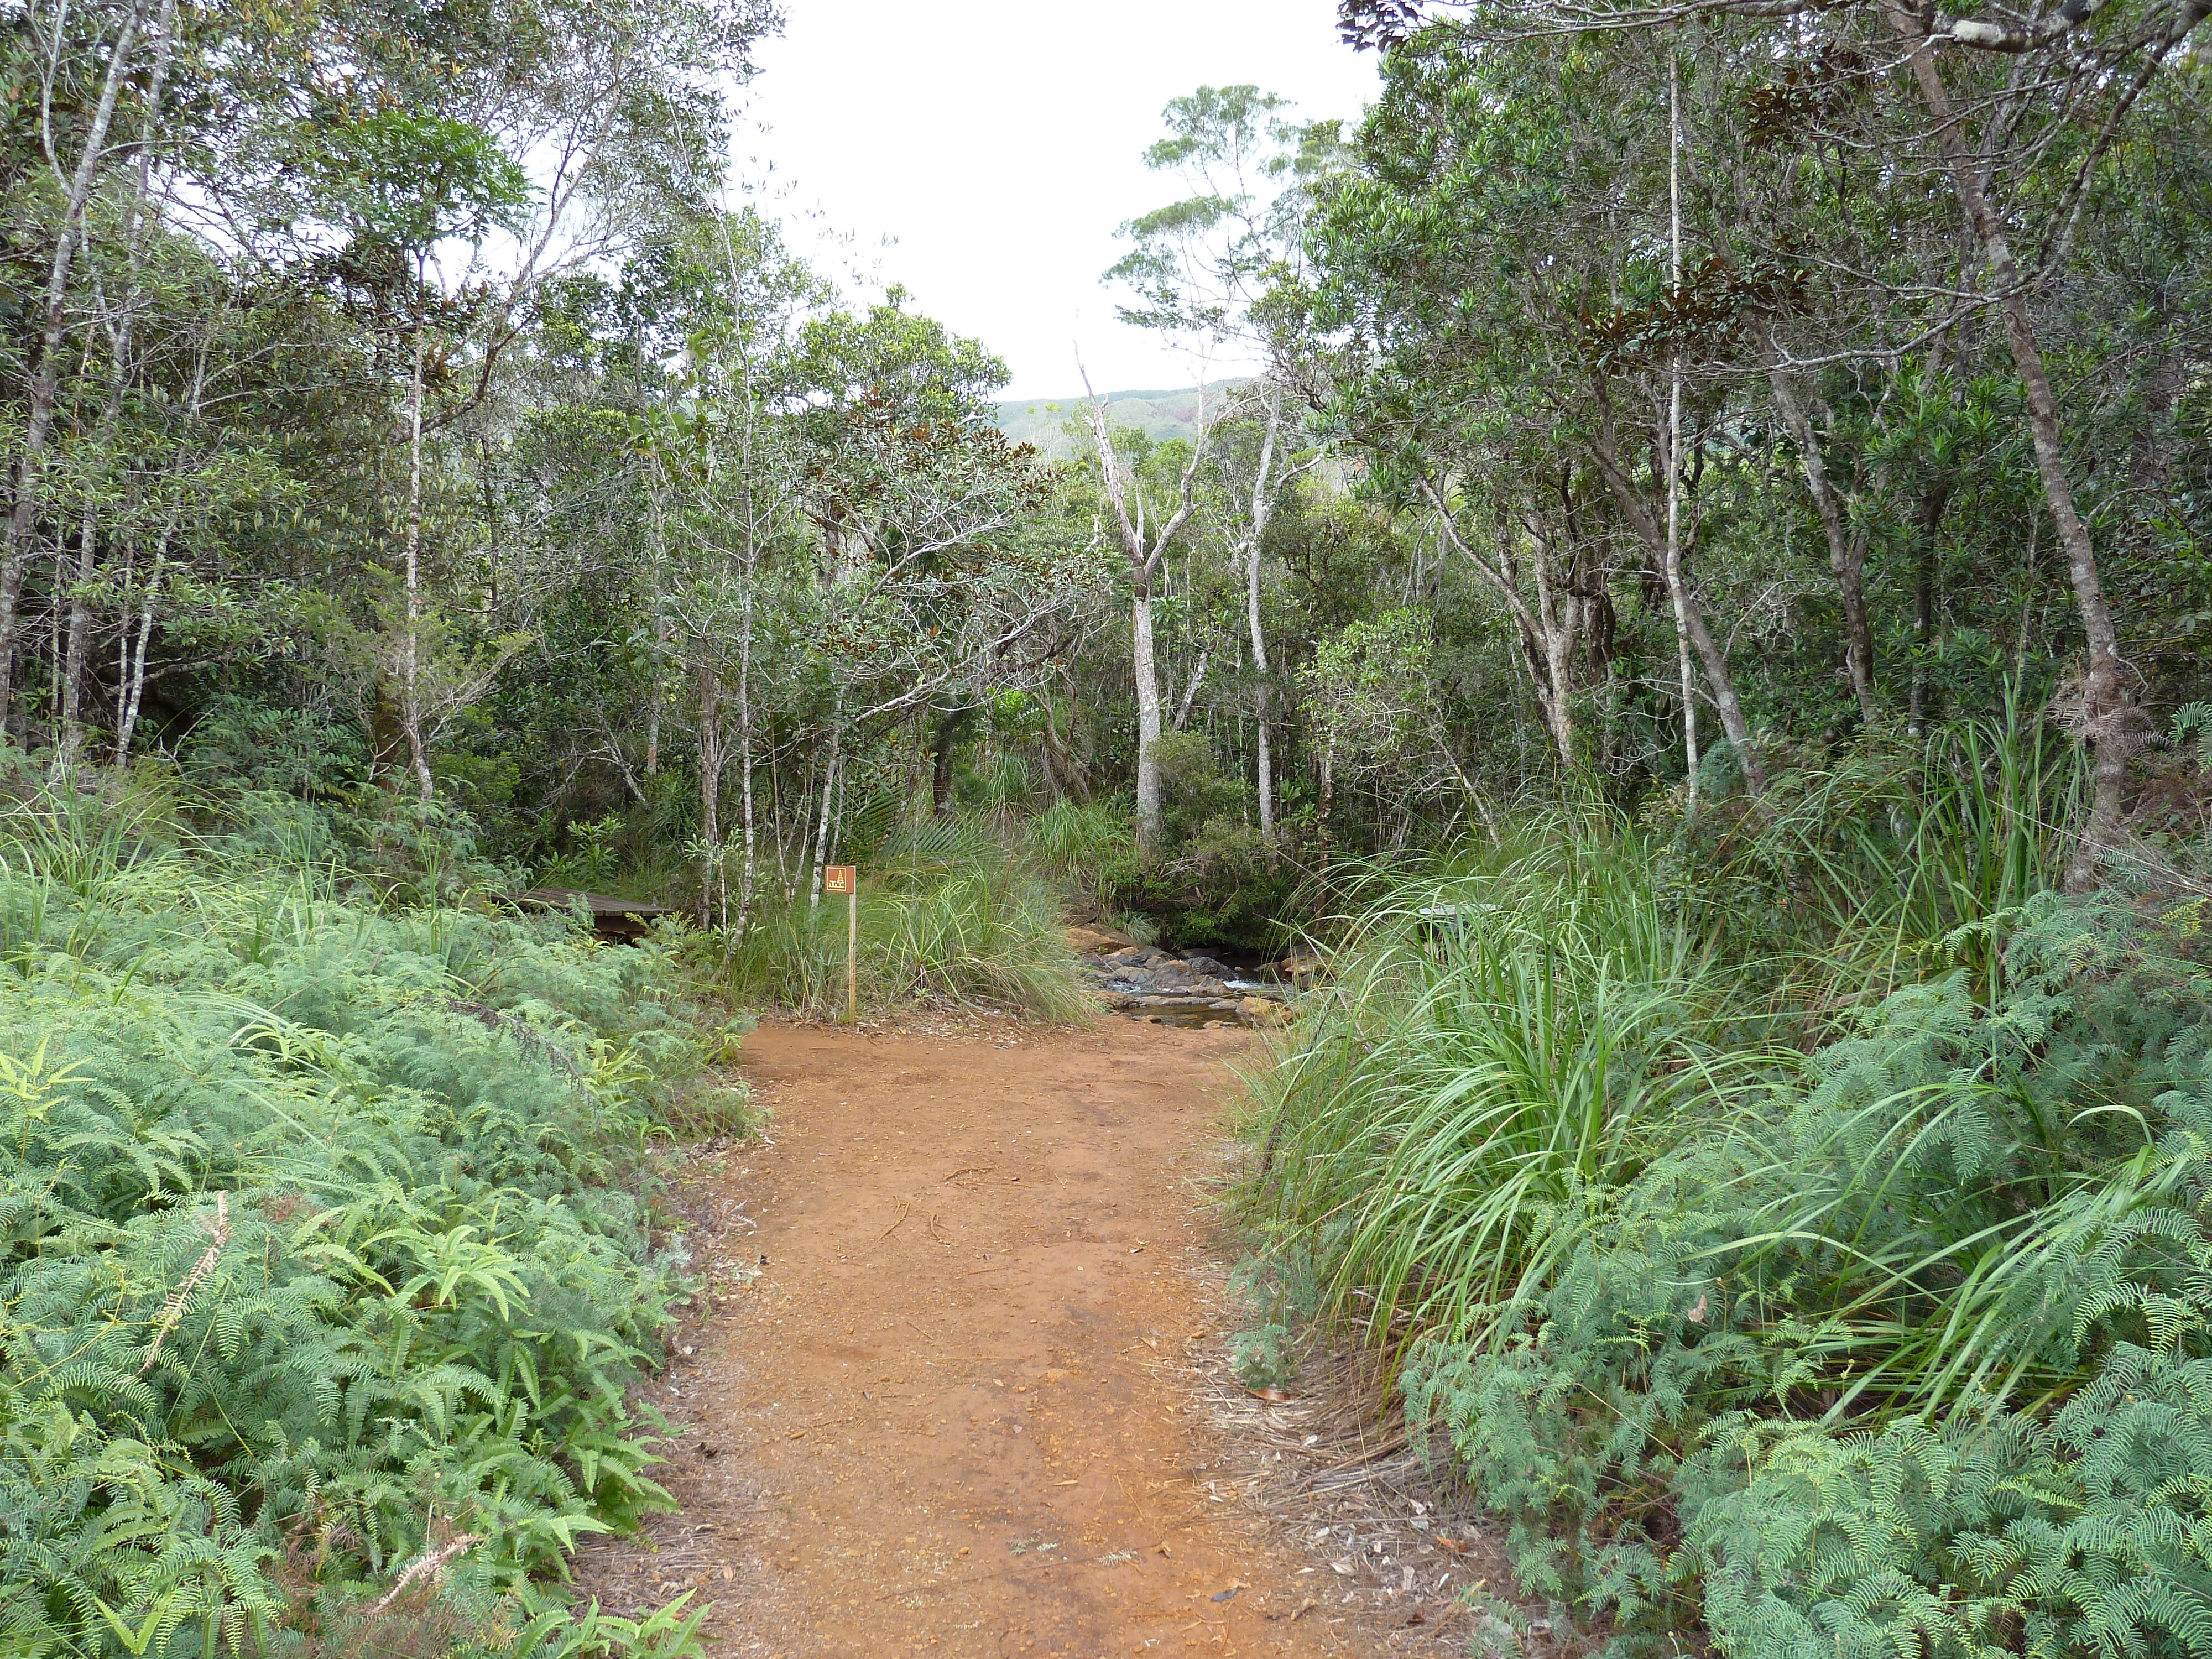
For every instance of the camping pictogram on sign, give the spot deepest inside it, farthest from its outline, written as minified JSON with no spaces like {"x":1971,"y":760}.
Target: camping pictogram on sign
{"x":840,"y":878}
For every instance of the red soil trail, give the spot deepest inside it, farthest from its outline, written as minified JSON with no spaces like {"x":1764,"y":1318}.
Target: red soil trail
{"x":953,"y":1414}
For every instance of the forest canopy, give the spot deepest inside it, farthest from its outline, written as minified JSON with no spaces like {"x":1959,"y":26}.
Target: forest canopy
{"x":1681,"y":391}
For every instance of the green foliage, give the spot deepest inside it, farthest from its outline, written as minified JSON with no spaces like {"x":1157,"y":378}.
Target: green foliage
{"x":1499,"y":1040}
{"x":320,"y":1249}
{"x":1897,"y":1347}
{"x":949,"y":912}
{"x":1223,"y":886}
{"x":1858,"y":871}
{"x":1370,"y":686}
{"x":1089,"y":849}
{"x":402,"y":180}
{"x":2196,"y":717}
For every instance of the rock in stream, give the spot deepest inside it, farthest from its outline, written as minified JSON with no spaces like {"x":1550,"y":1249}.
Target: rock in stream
{"x":1147,"y":982}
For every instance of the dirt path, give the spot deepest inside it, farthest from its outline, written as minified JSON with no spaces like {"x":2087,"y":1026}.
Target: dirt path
{"x":951,"y":1414}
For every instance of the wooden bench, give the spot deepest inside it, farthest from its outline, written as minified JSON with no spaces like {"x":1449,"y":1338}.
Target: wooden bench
{"x":626,"y":920}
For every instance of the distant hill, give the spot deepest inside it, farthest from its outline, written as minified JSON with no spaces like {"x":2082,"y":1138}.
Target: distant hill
{"x":1159,"y":414}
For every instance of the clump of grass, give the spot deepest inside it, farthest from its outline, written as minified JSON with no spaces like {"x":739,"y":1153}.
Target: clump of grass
{"x":1855,"y":875}
{"x":1501,"y":1035}
{"x":1085,"y":848}
{"x":950,"y":913}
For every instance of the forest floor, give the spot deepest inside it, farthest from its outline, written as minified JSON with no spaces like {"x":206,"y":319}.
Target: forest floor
{"x":962,"y":1386}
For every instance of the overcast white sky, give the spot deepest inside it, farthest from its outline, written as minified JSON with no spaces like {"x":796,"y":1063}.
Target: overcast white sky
{"x":997,"y":142}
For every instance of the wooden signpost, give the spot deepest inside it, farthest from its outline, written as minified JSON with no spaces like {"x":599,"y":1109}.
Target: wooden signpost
{"x":846,"y":878}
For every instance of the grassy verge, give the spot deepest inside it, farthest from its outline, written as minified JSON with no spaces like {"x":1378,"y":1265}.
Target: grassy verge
{"x":1799,"y":1230}
{"x":323,"y":1279}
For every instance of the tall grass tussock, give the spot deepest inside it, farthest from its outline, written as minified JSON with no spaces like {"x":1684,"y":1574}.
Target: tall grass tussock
{"x":1799,"y":1227}
{"x":952,"y":912}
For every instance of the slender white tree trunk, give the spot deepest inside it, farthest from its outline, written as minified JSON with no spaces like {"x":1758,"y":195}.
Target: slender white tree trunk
{"x":128,"y":575}
{"x":748,"y":574}
{"x":1145,"y":553}
{"x":1560,"y":625}
{"x":46,"y":376}
{"x":1845,"y":556}
{"x":1327,"y":788}
{"x":79,"y":646}
{"x":134,"y":691}
{"x":1148,"y":719}
{"x":1262,"y":506}
{"x":1677,"y":589}
{"x":1190,"y":691}
{"x":829,"y":770}
{"x":714,"y":893}
{"x":656,"y":695}
{"x":410,"y":645}
{"x":76,"y":642}
{"x":747,"y":878}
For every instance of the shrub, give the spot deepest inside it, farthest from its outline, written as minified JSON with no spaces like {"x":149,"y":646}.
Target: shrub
{"x":1497,"y":1042}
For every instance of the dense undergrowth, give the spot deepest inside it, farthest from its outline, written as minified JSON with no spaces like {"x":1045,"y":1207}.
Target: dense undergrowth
{"x":323,"y":1278}
{"x":1799,"y":1228}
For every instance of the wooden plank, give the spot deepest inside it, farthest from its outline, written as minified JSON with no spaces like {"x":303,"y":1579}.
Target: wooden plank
{"x":600,"y":904}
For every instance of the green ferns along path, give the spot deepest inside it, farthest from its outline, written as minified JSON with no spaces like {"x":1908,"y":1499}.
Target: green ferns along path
{"x":321,"y":1290}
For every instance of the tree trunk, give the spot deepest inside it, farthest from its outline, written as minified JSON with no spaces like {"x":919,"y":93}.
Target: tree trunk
{"x":748,"y":876}
{"x":1327,"y":803}
{"x":1148,"y":720}
{"x":2107,"y":715}
{"x":1190,"y":692}
{"x":1846,"y":553}
{"x":1692,"y":620}
{"x":942,"y":743}
{"x":1546,"y":635}
{"x":655,"y":693}
{"x":1670,"y":561}
{"x":1559,"y":625}
{"x":45,"y":375}
{"x":411,"y":684}
{"x":829,"y":791}
{"x":1143,"y":558}
{"x":1923,"y":618}
{"x":79,"y":646}
{"x":1473,"y":796}
{"x":1264,"y":768}
{"x":1071,"y":779}
{"x":76,"y":646}
{"x":714,"y":888}
{"x":1262,"y":509}
{"x":1678,"y":588}
{"x":134,"y":686}
{"x":128,"y":684}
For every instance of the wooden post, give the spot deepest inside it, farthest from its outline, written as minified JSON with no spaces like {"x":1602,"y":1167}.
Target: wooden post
{"x":845,"y":878}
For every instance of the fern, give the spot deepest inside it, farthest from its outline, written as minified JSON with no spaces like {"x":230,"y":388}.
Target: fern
{"x":2195,"y":717}
{"x":430,"y":1290}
